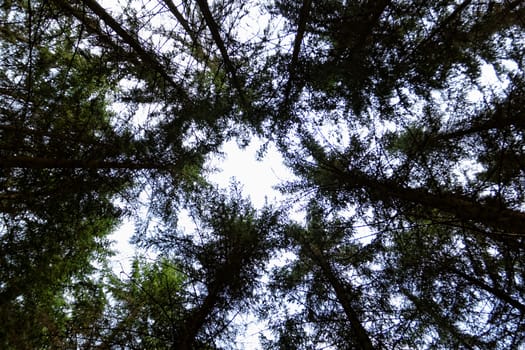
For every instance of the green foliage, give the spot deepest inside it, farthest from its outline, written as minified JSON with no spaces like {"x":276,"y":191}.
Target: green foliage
{"x":401,"y":120}
{"x":147,"y":304}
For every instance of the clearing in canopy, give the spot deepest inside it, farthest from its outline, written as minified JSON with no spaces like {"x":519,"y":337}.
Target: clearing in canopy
{"x":402,"y":124}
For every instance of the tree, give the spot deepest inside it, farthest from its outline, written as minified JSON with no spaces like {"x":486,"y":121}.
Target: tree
{"x":185,"y":297}
{"x":64,"y":158}
{"x":147,"y":306}
{"x":54,"y":219}
{"x":221,"y":261}
{"x":460,"y":287}
{"x":325,"y":283}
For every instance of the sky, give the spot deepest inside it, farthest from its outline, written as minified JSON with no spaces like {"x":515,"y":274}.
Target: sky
{"x":256,"y":177}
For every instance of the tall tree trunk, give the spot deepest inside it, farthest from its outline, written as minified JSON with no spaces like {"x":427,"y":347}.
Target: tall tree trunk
{"x":341,"y":292}
{"x":216,"y":35}
{"x":49,"y":163}
{"x":195,"y":321}
{"x":504,"y":220}
{"x":225,"y":276}
{"x":498,"y":293}
{"x":147,"y":58}
{"x":301,"y":28}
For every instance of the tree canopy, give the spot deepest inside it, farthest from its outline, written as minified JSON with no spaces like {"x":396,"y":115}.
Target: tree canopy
{"x":401,"y":122}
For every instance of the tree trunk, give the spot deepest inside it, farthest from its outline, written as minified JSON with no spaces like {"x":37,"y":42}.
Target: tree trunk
{"x":360,"y":333}
{"x":146,"y":57}
{"x":215,"y":33}
{"x":49,"y":163}
{"x":498,"y":293}
{"x":509,"y":221}
{"x":225,"y":275}
{"x":195,"y":321}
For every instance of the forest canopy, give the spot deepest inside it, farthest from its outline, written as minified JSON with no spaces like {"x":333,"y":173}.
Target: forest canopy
{"x":402,"y":124}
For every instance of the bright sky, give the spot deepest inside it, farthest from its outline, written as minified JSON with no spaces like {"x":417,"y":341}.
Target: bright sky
{"x":257,"y":178}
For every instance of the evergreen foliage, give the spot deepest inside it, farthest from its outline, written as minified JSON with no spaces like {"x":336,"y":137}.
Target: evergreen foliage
{"x":402,"y":121}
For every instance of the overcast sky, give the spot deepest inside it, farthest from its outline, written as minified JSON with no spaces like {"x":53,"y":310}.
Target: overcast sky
{"x":257,"y":178}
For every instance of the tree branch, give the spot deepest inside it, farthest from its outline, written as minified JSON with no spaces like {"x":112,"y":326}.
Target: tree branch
{"x":362,"y":338}
{"x":146,"y":57}
{"x":301,"y":28}
{"x":463,"y":208}
{"x":215,"y":33}
{"x":49,"y":163}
